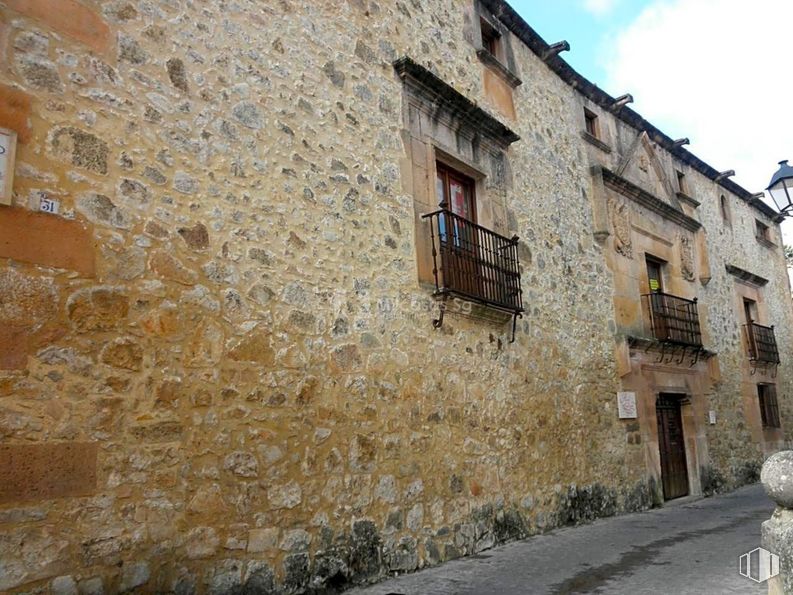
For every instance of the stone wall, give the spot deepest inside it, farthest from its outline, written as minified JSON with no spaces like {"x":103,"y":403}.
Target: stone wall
{"x":218,"y":363}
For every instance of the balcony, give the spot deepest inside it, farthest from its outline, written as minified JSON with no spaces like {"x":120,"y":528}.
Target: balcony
{"x":762,"y":344}
{"x":474,"y":263}
{"x":674,"y":320}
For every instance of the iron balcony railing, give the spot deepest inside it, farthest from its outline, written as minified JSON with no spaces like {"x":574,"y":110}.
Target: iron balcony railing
{"x":474,"y":263}
{"x":762,"y":343}
{"x":674,"y":319}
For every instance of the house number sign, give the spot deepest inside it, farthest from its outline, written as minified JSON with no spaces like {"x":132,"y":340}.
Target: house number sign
{"x":8,"y":146}
{"x":626,"y":405}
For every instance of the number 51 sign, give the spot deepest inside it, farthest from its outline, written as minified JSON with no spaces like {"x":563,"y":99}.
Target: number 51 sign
{"x":8,"y":147}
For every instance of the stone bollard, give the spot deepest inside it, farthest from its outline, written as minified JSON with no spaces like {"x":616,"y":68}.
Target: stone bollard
{"x":777,"y":478}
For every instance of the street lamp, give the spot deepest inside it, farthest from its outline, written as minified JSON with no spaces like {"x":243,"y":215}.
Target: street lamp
{"x":781,"y":188}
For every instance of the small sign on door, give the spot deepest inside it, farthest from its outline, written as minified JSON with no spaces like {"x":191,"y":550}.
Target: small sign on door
{"x":626,"y":405}
{"x":8,"y":147}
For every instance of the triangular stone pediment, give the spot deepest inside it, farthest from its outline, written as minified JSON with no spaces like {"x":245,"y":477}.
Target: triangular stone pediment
{"x":642,"y":166}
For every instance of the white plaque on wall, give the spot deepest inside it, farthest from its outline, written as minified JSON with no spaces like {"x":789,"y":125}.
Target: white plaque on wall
{"x":626,"y":405}
{"x":712,"y":417}
{"x":8,"y":147}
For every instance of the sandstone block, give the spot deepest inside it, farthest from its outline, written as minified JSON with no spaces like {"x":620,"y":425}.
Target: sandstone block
{"x":100,"y":308}
{"x":91,"y":586}
{"x":207,"y":500}
{"x":123,"y":353}
{"x":161,"y":431}
{"x":225,"y":578}
{"x":254,"y":348}
{"x":15,"y":112}
{"x":81,"y":149}
{"x":241,"y":463}
{"x":47,"y":470}
{"x":130,"y":50}
{"x":248,"y":114}
{"x":31,"y":554}
{"x":39,"y":73}
{"x":46,"y":240}
{"x":262,"y":540}
{"x":259,"y":577}
{"x":98,"y":208}
{"x":14,"y":347}
{"x":63,"y":585}
{"x":135,"y":575}
{"x":169,"y":268}
{"x":201,"y":542}
{"x":296,"y":540}
{"x":285,"y":496}
{"x":26,"y":300}
{"x":177,"y":73}
{"x":69,"y":17}
{"x":196,"y":237}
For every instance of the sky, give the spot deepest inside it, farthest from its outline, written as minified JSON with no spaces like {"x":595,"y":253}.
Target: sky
{"x":714,"y":71}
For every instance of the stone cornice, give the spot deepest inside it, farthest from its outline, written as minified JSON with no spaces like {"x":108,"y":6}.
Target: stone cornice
{"x":451,"y":101}
{"x":521,"y":29}
{"x":682,"y":196}
{"x":595,"y":141}
{"x":491,"y":61}
{"x":647,"y":200}
{"x":746,"y":276}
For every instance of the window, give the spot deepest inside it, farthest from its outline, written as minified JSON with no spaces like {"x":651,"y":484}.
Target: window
{"x":725,"y":210}
{"x":762,"y":232}
{"x":750,"y":310}
{"x":769,"y":410}
{"x":591,"y":121}
{"x":655,"y":275}
{"x":456,"y":191}
{"x":681,"y":182}
{"x":491,"y":39}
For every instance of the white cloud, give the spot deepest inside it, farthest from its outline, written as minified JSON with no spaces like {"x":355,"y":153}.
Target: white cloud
{"x":600,"y":7}
{"x":715,"y":71}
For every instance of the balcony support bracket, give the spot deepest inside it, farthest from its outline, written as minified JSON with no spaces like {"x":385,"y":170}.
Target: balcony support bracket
{"x":438,"y":322}
{"x":663,"y":353}
{"x":774,"y":367}
{"x":698,"y":351}
{"x":515,"y":325}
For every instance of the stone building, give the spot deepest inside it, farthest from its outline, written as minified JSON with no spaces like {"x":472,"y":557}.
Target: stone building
{"x":224,"y":362}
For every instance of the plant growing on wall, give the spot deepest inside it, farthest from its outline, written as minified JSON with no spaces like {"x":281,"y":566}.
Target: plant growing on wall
{"x":789,"y":255}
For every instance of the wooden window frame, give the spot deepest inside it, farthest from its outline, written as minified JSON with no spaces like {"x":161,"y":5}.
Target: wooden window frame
{"x":682,"y":185}
{"x":591,"y":124}
{"x":661,"y":264}
{"x":769,"y":406}
{"x":726,"y":216}
{"x":491,"y":39}
{"x":449,"y":173}
{"x":762,"y":232}
{"x":750,"y":308}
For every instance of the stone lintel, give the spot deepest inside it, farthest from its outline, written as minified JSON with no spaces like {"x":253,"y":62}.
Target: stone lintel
{"x":47,"y":240}
{"x":454,"y":103}
{"x":746,"y":276}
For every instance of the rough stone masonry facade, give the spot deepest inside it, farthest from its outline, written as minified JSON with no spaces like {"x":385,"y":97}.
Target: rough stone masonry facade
{"x":219,"y":369}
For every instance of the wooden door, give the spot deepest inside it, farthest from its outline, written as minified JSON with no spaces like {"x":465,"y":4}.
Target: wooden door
{"x":671,"y":444}
{"x":459,"y":235}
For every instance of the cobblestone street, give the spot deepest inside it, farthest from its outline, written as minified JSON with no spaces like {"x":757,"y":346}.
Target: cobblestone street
{"x":686,"y":547}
